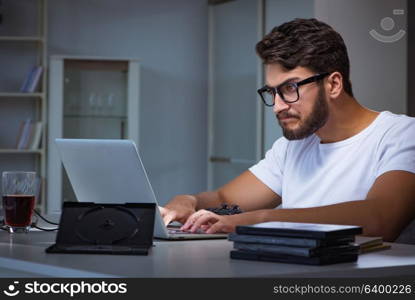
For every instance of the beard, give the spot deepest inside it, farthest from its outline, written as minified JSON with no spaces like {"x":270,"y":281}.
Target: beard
{"x":317,"y":118}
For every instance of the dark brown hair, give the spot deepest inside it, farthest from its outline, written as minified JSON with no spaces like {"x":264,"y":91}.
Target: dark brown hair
{"x":307,"y":43}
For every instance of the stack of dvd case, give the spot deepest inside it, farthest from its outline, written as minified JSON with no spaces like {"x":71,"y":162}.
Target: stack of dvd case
{"x":301,"y":243}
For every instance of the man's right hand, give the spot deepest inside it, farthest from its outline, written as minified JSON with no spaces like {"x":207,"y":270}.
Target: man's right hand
{"x":178,"y":209}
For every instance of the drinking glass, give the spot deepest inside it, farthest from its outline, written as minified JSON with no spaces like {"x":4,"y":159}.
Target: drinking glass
{"x":19,"y":193}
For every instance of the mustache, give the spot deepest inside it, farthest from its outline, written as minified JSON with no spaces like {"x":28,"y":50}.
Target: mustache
{"x":285,"y":114}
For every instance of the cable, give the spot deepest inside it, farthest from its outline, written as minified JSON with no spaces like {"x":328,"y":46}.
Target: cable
{"x":44,"y":219}
{"x":34,"y":224}
{"x":44,"y":229}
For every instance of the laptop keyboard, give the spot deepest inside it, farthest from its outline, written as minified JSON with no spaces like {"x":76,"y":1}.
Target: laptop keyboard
{"x":178,"y":231}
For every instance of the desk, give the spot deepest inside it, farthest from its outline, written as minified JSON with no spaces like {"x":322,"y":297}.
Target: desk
{"x":23,"y":255}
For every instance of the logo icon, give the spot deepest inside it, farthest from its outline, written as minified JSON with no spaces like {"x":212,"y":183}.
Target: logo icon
{"x":387,"y":24}
{"x":11,"y":291}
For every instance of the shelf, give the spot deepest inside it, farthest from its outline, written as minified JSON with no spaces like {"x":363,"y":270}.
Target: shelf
{"x":20,"y":151}
{"x":21,"y":95}
{"x":21,"y":39}
{"x":15,"y":105}
{"x":95,"y":117}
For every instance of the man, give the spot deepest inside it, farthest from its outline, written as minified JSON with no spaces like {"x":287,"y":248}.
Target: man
{"x":338,"y":162}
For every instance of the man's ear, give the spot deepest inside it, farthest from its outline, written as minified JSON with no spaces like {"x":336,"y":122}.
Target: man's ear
{"x":334,"y":85}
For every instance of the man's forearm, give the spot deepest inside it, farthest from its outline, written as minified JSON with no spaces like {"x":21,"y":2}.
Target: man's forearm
{"x":361,"y":213}
{"x":208,"y":199}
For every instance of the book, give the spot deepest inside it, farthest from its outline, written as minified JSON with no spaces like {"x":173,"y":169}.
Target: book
{"x":375,"y":248}
{"x":306,"y":230}
{"x":317,"y":260}
{"x":32,"y":80}
{"x":19,"y":134}
{"x":24,"y":134}
{"x":30,"y":134}
{"x":289,"y":241}
{"x":35,"y":79}
{"x":370,"y":244}
{"x":34,"y":143}
{"x":25,"y":86}
{"x":296,"y":251}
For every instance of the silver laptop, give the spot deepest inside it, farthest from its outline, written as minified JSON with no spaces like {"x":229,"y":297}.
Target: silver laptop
{"x":111,"y":171}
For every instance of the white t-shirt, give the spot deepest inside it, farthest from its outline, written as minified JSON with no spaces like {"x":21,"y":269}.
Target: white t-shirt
{"x":306,"y":173}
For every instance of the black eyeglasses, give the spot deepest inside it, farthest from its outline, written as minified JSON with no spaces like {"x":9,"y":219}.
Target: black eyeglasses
{"x":288,"y":91}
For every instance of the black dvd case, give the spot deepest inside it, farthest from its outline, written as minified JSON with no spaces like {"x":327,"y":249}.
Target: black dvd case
{"x":92,"y":228}
{"x":317,"y":260}
{"x":290,"y":241}
{"x":304,"y":230}
{"x":296,"y":251}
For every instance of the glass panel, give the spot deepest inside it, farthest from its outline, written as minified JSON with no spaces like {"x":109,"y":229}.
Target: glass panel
{"x":95,"y":101}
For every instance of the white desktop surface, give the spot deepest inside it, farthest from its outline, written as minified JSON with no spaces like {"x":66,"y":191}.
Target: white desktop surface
{"x":23,"y":255}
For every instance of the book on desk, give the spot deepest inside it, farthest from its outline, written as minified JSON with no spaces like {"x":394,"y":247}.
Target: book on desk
{"x":370,"y":244}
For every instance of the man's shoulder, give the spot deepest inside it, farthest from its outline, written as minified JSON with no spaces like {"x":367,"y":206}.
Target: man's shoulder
{"x":387,"y":115}
{"x":397,"y":124}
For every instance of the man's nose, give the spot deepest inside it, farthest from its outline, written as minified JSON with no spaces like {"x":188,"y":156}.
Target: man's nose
{"x":279,"y":104}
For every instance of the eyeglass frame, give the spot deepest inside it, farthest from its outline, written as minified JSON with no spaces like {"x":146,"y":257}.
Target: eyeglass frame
{"x":276,"y":90}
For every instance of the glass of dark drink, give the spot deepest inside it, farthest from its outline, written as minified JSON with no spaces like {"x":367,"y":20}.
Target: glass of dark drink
{"x":19,"y":191}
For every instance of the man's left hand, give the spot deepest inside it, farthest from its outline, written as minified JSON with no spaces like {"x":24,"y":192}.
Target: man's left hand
{"x":210,"y":222}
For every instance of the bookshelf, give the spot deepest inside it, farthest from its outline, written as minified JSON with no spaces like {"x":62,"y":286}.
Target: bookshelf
{"x":23,"y":43}
{"x":17,"y":151}
{"x":22,"y":39}
{"x":21,"y":95}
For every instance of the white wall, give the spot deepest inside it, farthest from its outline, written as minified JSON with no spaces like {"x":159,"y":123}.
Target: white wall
{"x":276,"y":13}
{"x":170,"y":39}
{"x":378,"y":70}
{"x":411,"y":58}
